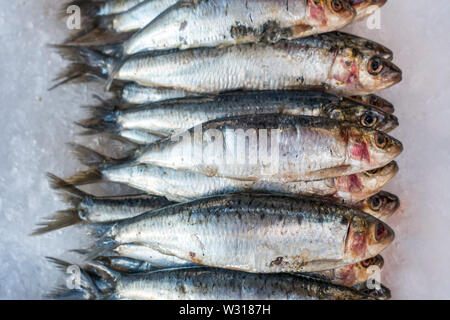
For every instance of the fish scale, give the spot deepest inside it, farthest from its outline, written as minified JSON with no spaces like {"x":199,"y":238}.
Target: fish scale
{"x":264,"y":233}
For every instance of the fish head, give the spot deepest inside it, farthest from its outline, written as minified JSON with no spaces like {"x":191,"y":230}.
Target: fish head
{"x":357,"y":273}
{"x":381,"y":205}
{"x":360,"y":186}
{"x":329,"y":14}
{"x":358,"y":72}
{"x":365,"y":8}
{"x":376,"y":101}
{"x":365,"y":115}
{"x":370,"y":149}
{"x":374,"y":180}
{"x":367,"y":237}
{"x":365,"y":45}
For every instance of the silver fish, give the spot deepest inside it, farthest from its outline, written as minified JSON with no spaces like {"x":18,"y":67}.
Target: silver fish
{"x":365,"y":8}
{"x":135,"y":94}
{"x":263,"y":233}
{"x":215,"y":23}
{"x":315,"y":62}
{"x":177,"y":186}
{"x":100,"y":282}
{"x":103,"y":8}
{"x":347,"y":276}
{"x":218,"y":149}
{"x":171,"y":118}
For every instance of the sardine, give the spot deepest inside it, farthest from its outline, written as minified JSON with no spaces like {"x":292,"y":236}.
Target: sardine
{"x":167,"y":119}
{"x":348,"y":276}
{"x":313,"y":62}
{"x":272,"y":148}
{"x":213,"y":23}
{"x":381,"y":205}
{"x":177,"y":186}
{"x":263,"y":233}
{"x":376,"y":101}
{"x":203,"y":283}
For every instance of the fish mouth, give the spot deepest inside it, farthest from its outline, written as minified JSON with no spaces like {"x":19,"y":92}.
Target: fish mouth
{"x":391,"y":74}
{"x":391,"y":123}
{"x":393,"y":203}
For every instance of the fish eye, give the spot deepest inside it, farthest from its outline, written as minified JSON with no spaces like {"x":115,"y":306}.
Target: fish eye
{"x":368,"y":120}
{"x":337,"y":5}
{"x":367,"y":263}
{"x":380,"y":231}
{"x":316,"y":2}
{"x":375,"y":203}
{"x":336,"y":114}
{"x":375,"y":66}
{"x":381,"y":140}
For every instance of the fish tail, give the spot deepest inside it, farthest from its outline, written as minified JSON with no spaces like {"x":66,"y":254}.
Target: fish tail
{"x":94,"y":159}
{"x":83,"y":286}
{"x":62,"y":219}
{"x":87,"y":64}
{"x":80,"y":178}
{"x":69,"y":193}
{"x":103,"y":118}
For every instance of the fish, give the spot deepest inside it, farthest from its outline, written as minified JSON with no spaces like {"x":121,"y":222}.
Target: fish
{"x":202,"y":284}
{"x":348,"y":276}
{"x":272,"y":148}
{"x":264,"y":233}
{"x":172,"y":118}
{"x":177,"y":186}
{"x":375,"y":101}
{"x":381,"y":205}
{"x":353,"y":274}
{"x":365,"y":8}
{"x":317,"y":62}
{"x":213,"y":23}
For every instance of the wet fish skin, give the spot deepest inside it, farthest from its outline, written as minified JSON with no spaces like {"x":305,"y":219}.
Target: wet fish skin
{"x":355,"y":149}
{"x":235,"y":22}
{"x":285,"y":65}
{"x":212,"y":284}
{"x":136,"y":17}
{"x":152,"y":257}
{"x":171,"y":118}
{"x":103,"y":8}
{"x":381,"y":205}
{"x":177,"y":186}
{"x":321,"y":236}
{"x":135,"y":94}
{"x":376,"y":101}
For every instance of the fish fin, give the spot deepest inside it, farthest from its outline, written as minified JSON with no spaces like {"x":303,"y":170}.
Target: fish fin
{"x":80,"y":178}
{"x":94,"y":159}
{"x":85,"y":286}
{"x":69,"y":193}
{"x":87,"y":64}
{"x":103,"y":118}
{"x":62,"y":219}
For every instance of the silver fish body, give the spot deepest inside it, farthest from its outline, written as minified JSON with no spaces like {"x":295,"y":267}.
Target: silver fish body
{"x":118,"y":6}
{"x":177,"y":185}
{"x":301,"y":64}
{"x":135,"y":94}
{"x":171,"y":118}
{"x":339,"y":148}
{"x":139,"y":16}
{"x":218,"y":284}
{"x":227,"y":22}
{"x":264,"y":233}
